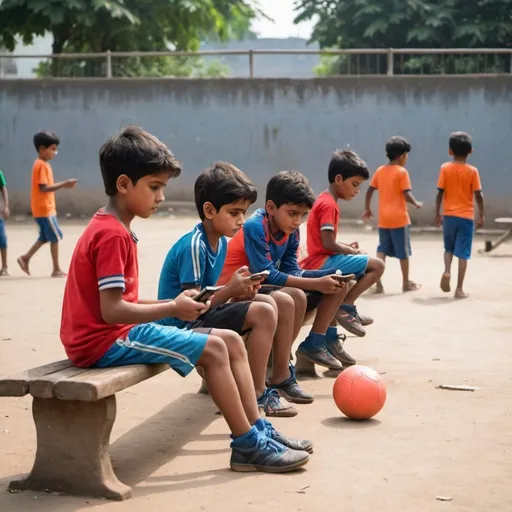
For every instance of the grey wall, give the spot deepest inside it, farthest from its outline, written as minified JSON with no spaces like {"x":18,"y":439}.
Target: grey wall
{"x":262,"y":126}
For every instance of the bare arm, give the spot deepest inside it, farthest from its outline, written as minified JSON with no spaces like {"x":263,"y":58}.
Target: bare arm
{"x":479,"y":197}
{"x":330,"y":244}
{"x":368,"y":198}
{"x":57,"y":186}
{"x":115,"y":310}
{"x":5,"y":197}
{"x":152,"y":301}
{"x":411,"y":199}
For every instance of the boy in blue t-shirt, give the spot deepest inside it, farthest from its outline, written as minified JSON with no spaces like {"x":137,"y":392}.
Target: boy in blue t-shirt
{"x":222,"y":195}
{"x":269,"y":241}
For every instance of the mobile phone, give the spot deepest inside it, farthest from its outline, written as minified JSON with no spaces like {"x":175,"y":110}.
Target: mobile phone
{"x":206,"y":293}
{"x":344,"y":278}
{"x":260,"y":275}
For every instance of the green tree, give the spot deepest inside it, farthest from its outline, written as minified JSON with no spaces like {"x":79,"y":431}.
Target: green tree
{"x":124,"y":25}
{"x":406,"y":24}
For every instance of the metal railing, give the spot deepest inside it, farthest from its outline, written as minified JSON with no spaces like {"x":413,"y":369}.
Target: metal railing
{"x":369,"y":62}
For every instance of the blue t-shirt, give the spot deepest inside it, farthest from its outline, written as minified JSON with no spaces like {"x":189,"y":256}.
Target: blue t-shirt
{"x":255,"y":246}
{"x":190,"y":263}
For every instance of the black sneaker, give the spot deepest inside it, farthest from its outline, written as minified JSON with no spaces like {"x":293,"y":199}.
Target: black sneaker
{"x":321,"y":357}
{"x":268,"y":429}
{"x":291,"y":390}
{"x":335,"y":347}
{"x":264,"y":454}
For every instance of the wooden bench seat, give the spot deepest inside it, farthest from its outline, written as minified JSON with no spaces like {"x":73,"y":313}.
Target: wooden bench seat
{"x":74,"y":410}
{"x":505,"y":221}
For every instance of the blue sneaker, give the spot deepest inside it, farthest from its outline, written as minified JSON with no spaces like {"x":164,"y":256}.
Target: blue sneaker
{"x":268,"y":429}
{"x":274,"y":406}
{"x":320,"y":356}
{"x":255,"y":451}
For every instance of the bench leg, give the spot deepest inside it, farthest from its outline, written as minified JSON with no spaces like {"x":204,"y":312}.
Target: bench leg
{"x":305,"y":368}
{"x":73,"y":449}
{"x":490,"y":246}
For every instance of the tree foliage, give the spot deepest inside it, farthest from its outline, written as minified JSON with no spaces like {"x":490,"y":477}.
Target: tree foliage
{"x":410,"y":24}
{"x":125,"y":25}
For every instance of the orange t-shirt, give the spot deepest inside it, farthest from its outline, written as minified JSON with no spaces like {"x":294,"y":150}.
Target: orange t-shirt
{"x":459,"y":181}
{"x":43,"y":203}
{"x":392,"y":181}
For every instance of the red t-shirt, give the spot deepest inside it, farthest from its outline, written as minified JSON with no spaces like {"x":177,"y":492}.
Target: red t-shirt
{"x":104,"y":257}
{"x":324,"y":216}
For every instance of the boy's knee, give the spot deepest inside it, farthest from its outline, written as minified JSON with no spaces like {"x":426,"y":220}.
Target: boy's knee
{"x":285,"y":303}
{"x":262,"y":313}
{"x":376,"y":265}
{"x":215,"y":352}
{"x":298,"y":296}
{"x":266,"y":299}
{"x":233,"y":342}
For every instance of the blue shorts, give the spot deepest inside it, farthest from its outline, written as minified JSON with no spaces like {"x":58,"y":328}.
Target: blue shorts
{"x":458,"y":236}
{"x":3,"y":236}
{"x":153,"y":343}
{"x":49,"y":229}
{"x":348,"y":263}
{"x":395,"y":242}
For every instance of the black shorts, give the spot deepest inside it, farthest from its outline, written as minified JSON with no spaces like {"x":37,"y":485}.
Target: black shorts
{"x":226,"y":316}
{"x":313,"y":298}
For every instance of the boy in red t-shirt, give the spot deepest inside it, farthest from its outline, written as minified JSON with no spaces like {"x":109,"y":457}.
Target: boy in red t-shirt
{"x":347,"y":172}
{"x":105,"y":324}
{"x":395,"y":191}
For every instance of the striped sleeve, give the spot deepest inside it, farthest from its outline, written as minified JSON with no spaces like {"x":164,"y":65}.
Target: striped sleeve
{"x":326,"y":216}
{"x":192,"y":260}
{"x":111,"y":258}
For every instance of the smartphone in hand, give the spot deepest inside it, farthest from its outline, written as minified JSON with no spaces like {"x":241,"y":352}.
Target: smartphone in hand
{"x":206,"y":293}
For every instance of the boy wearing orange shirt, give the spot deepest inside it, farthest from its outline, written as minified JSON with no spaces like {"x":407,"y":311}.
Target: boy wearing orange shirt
{"x":395,"y":191}
{"x":458,"y":183}
{"x":42,"y":199}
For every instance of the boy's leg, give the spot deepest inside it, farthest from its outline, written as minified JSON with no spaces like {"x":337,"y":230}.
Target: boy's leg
{"x":323,"y":334}
{"x":449,"y":238}
{"x":24,"y":260}
{"x":379,"y":287}
{"x":3,"y":249}
{"x":291,"y":305}
{"x":401,"y":239}
{"x":253,"y":449}
{"x":57,"y":272}
{"x":463,"y":246}
{"x":54,"y":236}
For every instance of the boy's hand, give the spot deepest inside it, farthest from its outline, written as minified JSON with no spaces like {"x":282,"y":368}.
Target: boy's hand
{"x":367,"y":215}
{"x":480,"y":222}
{"x":328,"y":285}
{"x":249,"y":294}
{"x":240,"y":283}
{"x":354,"y":245}
{"x":186,"y":308}
{"x":70,"y":183}
{"x":6,"y":212}
{"x":438,"y":221}
{"x":418,"y":204}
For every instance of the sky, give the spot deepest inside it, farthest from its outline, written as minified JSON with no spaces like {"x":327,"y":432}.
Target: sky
{"x":281,"y":11}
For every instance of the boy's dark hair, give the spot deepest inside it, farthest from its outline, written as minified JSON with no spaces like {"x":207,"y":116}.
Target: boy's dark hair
{"x":222,"y":184}
{"x":397,"y":146}
{"x":461,"y":143}
{"x":136,"y":153}
{"x":347,"y":164}
{"x":290,"y":187}
{"x":45,"y":139}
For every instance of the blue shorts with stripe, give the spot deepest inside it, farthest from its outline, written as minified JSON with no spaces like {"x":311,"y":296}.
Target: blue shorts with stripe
{"x":395,"y":242}
{"x":3,"y":236}
{"x":348,"y":263}
{"x":152,"y":343}
{"x":49,"y":229}
{"x":458,"y":236}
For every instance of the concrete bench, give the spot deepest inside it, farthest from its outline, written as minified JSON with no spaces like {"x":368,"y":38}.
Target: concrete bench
{"x":74,"y":410}
{"x":489,"y":245}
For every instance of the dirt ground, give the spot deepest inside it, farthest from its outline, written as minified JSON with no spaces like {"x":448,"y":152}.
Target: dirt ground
{"x":169,"y":444}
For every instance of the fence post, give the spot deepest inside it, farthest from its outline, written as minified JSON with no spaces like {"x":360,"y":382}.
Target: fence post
{"x":391,"y":62}
{"x":109,"y":64}
{"x":251,"y":63}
